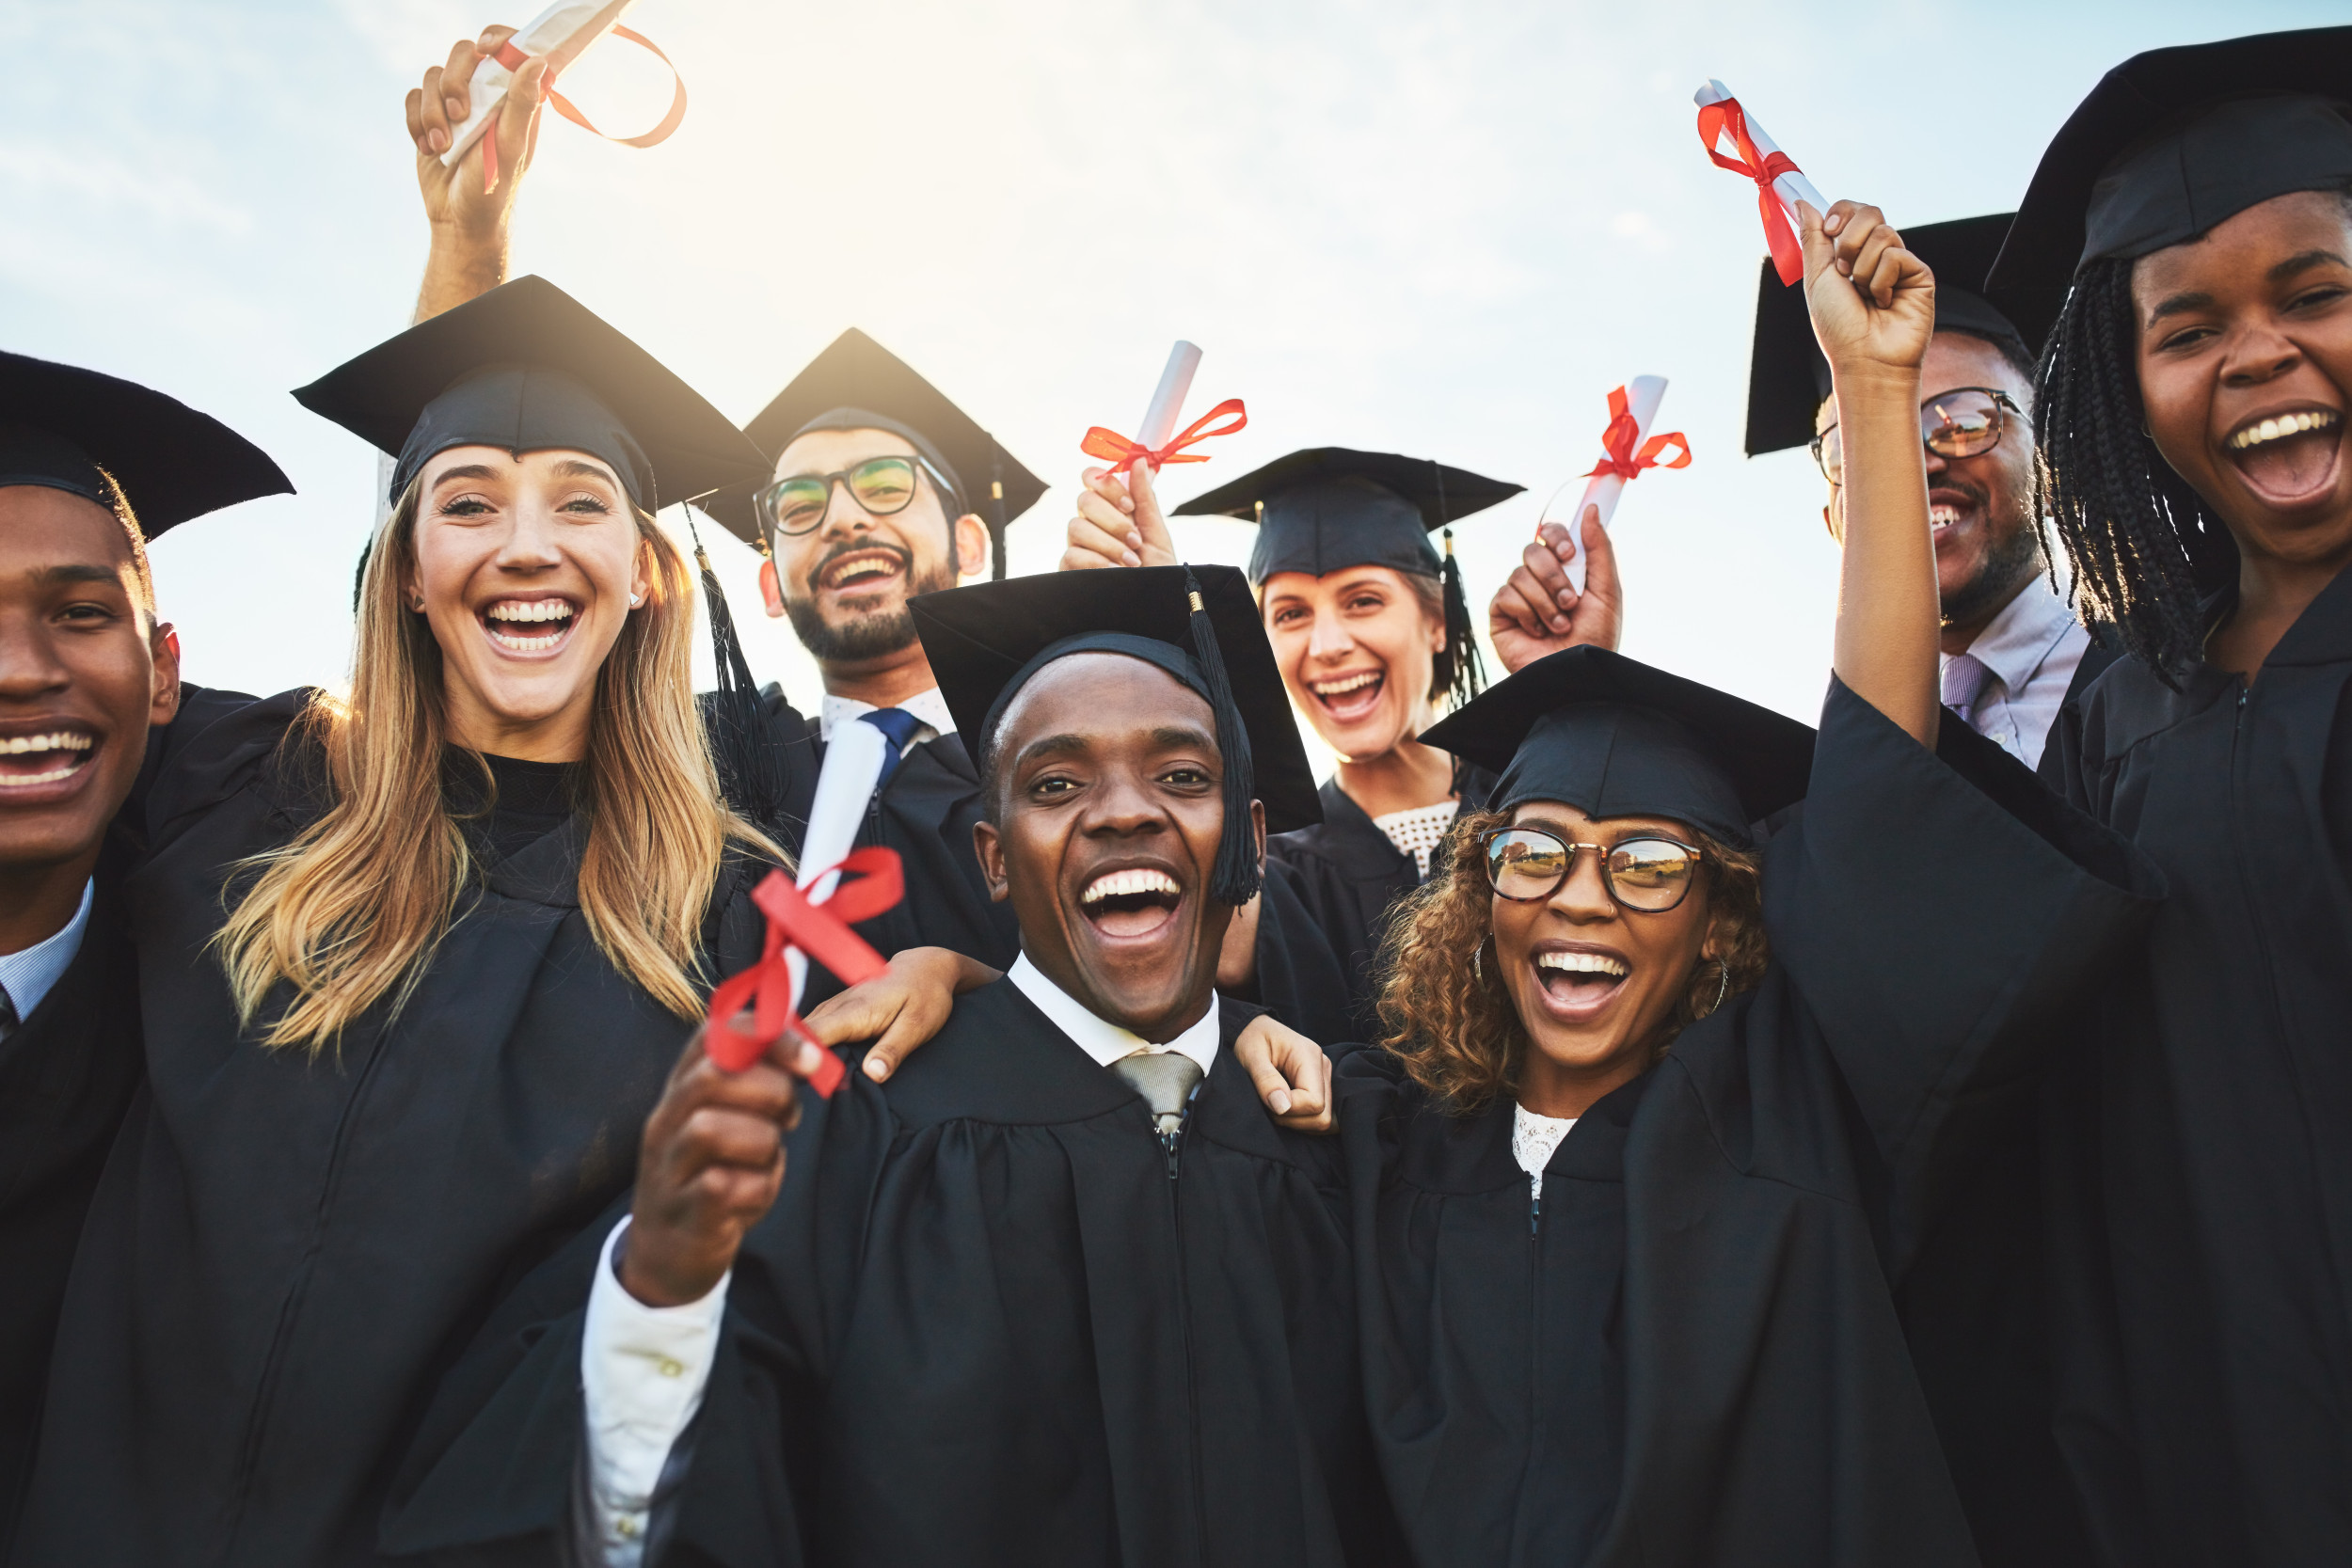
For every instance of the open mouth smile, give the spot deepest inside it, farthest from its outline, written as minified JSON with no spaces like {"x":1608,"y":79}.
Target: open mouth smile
{"x":2289,"y":458}
{"x":1131,"y":903}
{"x":1350,"y":696}
{"x":29,"y":762}
{"x":862,"y":571}
{"x":1577,"y":984}
{"x":530,"y":627}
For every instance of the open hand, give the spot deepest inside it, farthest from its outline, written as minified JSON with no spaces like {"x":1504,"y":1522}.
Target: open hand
{"x":453,"y":199}
{"x":710,"y":1164}
{"x":1537,"y":612}
{"x":1292,"y":1074}
{"x":1873,"y":302}
{"x":900,"y":1008}
{"x":1117,"y":524}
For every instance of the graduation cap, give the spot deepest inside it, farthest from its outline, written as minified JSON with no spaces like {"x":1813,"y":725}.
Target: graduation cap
{"x":1788,"y":378}
{"x":1199,"y":623}
{"x":528,"y":367}
{"x":2170,"y":144}
{"x":856,"y":384}
{"x":1327,"y":509}
{"x":61,"y":424}
{"x":1613,"y":737}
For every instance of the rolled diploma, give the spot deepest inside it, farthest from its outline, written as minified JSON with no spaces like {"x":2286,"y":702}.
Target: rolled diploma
{"x":564,"y":32}
{"x":1642,"y":397}
{"x":843,"y":792}
{"x":1791,"y":188}
{"x":1168,"y":402}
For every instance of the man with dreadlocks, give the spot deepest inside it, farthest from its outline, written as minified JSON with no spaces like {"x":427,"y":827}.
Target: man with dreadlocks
{"x":2187,"y":243}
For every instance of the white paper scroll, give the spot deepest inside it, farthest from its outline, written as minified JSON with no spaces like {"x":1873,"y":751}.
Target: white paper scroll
{"x":1791,"y":187}
{"x":564,"y":32}
{"x":1643,"y":395}
{"x":1166,"y":406}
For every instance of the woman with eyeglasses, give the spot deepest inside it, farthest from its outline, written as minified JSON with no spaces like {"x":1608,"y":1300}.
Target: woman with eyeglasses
{"x":2187,"y":243}
{"x":1658,"y":1123}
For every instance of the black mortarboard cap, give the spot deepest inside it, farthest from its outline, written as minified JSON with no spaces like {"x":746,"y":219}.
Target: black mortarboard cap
{"x":985,"y":642}
{"x":59,"y":424}
{"x":2171,"y":143}
{"x":856,"y":384}
{"x":1787,"y":378}
{"x":526,"y":367}
{"x":1612,"y":736}
{"x":1327,"y":509}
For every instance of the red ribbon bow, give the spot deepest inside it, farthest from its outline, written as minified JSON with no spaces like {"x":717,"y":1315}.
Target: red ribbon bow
{"x":515,"y":59}
{"x":821,"y":931}
{"x":1716,"y":119}
{"x":1123,"y":455}
{"x":1618,"y":439}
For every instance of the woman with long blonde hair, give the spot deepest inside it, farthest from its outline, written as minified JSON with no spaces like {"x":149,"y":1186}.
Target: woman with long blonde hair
{"x":1660,"y":1118}
{"x":414,"y":961}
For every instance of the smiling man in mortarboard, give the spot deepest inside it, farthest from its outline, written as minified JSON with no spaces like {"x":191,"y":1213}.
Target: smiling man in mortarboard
{"x":91,"y":469}
{"x":1058,"y":1292}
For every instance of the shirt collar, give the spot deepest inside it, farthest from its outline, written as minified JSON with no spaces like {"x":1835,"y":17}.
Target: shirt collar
{"x":1100,"y":1038}
{"x":927,"y":705}
{"x":2014,"y":643}
{"x":28,"y":975}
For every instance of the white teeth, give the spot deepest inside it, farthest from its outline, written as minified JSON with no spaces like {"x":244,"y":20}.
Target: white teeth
{"x":2285,"y":424}
{"x":1122,"y":884}
{"x":59,"y":740}
{"x":1346,"y":683}
{"x":526,"y":644}
{"x":860,"y":571}
{"x":24,"y":780}
{"x":1943,"y":516}
{"x":1582,"y":963}
{"x":537,"y":609}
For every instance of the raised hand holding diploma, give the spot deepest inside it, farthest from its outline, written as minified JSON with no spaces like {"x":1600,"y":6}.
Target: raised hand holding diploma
{"x":1738,"y":143}
{"x":1627,"y":449}
{"x":1120,"y":522}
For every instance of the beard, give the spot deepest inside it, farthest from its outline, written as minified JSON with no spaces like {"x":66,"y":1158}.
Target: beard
{"x":870,"y":635}
{"x":2009,"y":560}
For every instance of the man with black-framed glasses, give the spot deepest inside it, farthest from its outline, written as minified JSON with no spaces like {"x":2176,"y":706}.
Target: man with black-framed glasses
{"x":2013,"y":653}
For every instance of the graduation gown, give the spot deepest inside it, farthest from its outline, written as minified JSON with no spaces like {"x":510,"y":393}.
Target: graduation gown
{"x":66,"y":1074}
{"x":926,"y":811}
{"x":1689,"y":1354}
{"x":2201,"y":1148}
{"x":990,"y":1320}
{"x":286,"y":1249}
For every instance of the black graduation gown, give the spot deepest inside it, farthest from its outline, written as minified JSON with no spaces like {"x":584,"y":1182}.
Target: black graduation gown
{"x":67,"y":1075}
{"x":925,"y":810}
{"x":989,"y":1321}
{"x":1691,"y":1356}
{"x":2202,"y":1147}
{"x":284,"y":1251}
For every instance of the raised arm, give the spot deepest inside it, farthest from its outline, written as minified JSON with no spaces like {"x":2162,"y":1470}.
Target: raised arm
{"x":470,"y":227}
{"x":1874,"y":305}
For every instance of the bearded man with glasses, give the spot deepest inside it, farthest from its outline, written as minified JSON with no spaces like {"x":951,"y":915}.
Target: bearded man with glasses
{"x":2013,"y":653}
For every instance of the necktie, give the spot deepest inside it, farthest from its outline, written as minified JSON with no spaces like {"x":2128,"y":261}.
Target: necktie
{"x":7,"y":1014}
{"x":1966,"y":676}
{"x":898,"y":725}
{"x":1165,"y":1079}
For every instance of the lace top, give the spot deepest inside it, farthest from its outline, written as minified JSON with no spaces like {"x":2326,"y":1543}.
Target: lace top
{"x":1418,"y":832}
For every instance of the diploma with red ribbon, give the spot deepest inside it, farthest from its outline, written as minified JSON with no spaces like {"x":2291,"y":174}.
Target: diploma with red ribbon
{"x":1158,"y":445}
{"x":820,"y":930}
{"x":1627,"y":450}
{"x":563,"y":33}
{"x":1779,"y":183}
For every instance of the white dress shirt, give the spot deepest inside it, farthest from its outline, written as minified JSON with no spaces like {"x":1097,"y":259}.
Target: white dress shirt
{"x":643,"y":1369}
{"x":1533,"y":1139}
{"x":29,"y":976}
{"x":929,"y":707}
{"x":2033,"y":647}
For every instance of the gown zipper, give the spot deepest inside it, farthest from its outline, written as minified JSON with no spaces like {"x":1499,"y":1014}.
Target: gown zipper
{"x":1171,"y":1143}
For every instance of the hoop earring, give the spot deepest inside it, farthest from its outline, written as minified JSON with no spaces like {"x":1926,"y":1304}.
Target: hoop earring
{"x":1722,"y":988}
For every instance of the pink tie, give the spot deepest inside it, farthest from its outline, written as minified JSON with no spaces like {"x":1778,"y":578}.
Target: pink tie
{"x":1965,"y":677}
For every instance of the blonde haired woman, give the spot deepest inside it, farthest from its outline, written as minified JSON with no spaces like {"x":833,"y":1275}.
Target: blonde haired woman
{"x":414,"y":963}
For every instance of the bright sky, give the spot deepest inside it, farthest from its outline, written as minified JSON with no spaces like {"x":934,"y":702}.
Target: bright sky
{"x":1445,"y":230}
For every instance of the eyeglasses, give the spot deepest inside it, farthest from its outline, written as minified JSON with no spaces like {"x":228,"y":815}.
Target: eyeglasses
{"x":1966,"y":421}
{"x":882,"y":485}
{"x":1651,"y":873}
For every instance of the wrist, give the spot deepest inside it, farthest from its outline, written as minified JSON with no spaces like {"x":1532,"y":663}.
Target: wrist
{"x":1874,"y":382}
{"x":648,"y":1275}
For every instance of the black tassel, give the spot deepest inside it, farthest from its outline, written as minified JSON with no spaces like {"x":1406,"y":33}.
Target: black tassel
{"x":996,"y":492}
{"x":1238,"y":872}
{"x":1466,"y":668}
{"x":751,"y":772}
{"x":359,"y":576}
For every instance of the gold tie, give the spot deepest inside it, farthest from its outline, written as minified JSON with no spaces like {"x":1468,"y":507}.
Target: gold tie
{"x":1165,"y":1079}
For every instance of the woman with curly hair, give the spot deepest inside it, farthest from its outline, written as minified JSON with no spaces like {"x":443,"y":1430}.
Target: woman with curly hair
{"x":1660,"y":1119}
{"x":2190,"y":235}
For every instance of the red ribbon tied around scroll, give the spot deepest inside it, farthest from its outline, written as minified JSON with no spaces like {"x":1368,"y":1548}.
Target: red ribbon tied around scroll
{"x":1123,"y":455}
{"x":1717,"y":118}
{"x":822,"y":932}
{"x":1617,"y":442}
{"x":515,"y":59}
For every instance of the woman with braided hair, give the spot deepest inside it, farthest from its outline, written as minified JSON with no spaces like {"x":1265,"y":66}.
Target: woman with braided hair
{"x":2189,"y":235}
